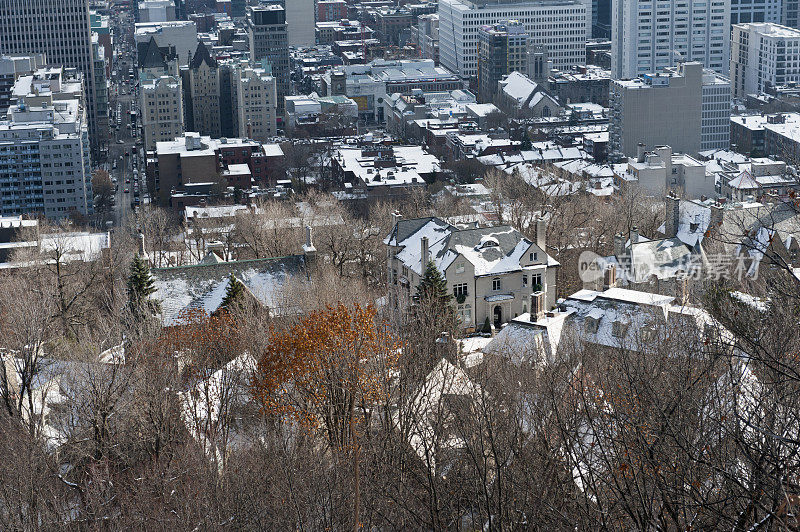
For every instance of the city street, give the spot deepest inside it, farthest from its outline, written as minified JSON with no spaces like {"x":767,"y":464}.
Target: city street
{"x":124,"y":163}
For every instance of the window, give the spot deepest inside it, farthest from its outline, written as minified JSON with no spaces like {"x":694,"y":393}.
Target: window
{"x":536,"y":282}
{"x":460,"y":290}
{"x":524,"y":280}
{"x":497,"y":284}
{"x":534,"y":256}
{"x":464,"y":314}
{"x":460,"y":267}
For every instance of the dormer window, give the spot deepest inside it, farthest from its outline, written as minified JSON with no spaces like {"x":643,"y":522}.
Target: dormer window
{"x":534,"y":256}
{"x":488,"y":242}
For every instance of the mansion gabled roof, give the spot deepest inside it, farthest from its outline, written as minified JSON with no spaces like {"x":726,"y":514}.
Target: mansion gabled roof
{"x":490,"y":250}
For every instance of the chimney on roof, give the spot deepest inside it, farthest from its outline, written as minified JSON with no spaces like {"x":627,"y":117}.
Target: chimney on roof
{"x":682,"y":290}
{"x":537,"y":305}
{"x":610,"y":276}
{"x":619,"y":245}
{"x":309,"y":251}
{"x":634,"y":235}
{"x":673,"y":216}
{"x":541,"y":234}
{"x":396,"y":217}
{"x":640,"y":151}
{"x":717,"y":216}
{"x":425,"y":255}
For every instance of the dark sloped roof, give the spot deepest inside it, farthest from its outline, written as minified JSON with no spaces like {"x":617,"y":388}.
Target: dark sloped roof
{"x":202,"y":55}
{"x":506,"y":236}
{"x":406,"y":228}
{"x":202,"y":286}
{"x":153,"y":56}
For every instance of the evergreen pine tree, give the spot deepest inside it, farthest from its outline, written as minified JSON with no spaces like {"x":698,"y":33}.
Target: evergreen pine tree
{"x":140,"y":285}
{"x":433,"y":287}
{"x":233,"y":294}
{"x":526,"y":145}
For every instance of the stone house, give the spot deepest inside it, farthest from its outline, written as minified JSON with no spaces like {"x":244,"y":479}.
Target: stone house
{"x":492,"y":272}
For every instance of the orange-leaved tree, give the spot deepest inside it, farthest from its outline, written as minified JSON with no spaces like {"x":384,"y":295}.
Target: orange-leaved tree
{"x":324,"y":368}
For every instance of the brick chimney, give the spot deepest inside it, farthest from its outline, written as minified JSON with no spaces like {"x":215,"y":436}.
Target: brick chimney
{"x":682,"y":290}
{"x":537,"y":306}
{"x":610,"y":276}
{"x":673,"y":215}
{"x":619,"y":245}
{"x":717,"y":216}
{"x":541,"y":234}
{"x":425,"y":253}
{"x":640,"y":152}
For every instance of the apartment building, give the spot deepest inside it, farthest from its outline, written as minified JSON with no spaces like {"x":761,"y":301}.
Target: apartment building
{"x":156,"y":11}
{"x":648,"y":36}
{"x":332,"y":31}
{"x":11,"y":68}
{"x":502,"y":49}
{"x":256,"y":103}
{"x":268,"y":38}
{"x":160,"y":94}
{"x":45,"y":167}
{"x":204,"y":93}
{"x":191,"y":161}
{"x":562,"y":26}
{"x":763,"y":55}
{"x":331,"y":10}
{"x":661,"y":170}
{"x":59,"y":29}
{"x":790,"y":13}
{"x":161,"y":103}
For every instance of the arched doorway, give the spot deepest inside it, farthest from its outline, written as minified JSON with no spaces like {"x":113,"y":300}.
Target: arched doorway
{"x":498,"y":316}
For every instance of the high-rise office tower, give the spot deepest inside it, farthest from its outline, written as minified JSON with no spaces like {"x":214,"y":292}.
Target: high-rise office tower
{"x":601,"y":19}
{"x":61,"y":30}
{"x":267,"y":32}
{"x":648,"y":36}
{"x":562,"y":26}
{"x":790,"y":13}
{"x":502,"y":49}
